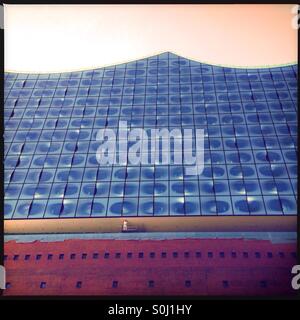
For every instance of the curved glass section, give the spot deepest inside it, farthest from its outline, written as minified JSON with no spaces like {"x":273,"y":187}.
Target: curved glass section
{"x":249,"y":118}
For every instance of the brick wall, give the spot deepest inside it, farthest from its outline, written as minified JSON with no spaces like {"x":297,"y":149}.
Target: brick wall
{"x":149,"y":267}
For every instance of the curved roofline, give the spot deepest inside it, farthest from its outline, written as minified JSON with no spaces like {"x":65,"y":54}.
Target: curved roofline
{"x":157,"y":54}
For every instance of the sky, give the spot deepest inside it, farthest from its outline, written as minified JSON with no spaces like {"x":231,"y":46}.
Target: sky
{"x":59,"y":38}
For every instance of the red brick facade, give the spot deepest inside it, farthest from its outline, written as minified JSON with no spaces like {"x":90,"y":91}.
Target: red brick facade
{"x":149,"y":267}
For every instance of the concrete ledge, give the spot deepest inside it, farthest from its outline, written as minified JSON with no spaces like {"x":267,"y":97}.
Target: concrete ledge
{"x":153,"y":224}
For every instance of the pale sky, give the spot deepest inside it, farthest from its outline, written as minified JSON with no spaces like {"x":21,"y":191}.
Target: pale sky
{"x":60,"y":38}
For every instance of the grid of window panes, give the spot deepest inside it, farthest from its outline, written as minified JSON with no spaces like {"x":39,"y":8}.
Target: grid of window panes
{"x":249,"y":117}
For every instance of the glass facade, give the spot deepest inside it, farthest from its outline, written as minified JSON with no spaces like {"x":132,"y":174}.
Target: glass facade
{"x":249,"y":117}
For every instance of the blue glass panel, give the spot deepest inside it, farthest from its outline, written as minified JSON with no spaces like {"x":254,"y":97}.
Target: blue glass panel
{"x":249,"y":117}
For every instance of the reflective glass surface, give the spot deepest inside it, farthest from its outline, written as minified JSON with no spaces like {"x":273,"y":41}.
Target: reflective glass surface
{"x":249,"y":117}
